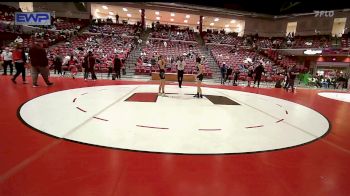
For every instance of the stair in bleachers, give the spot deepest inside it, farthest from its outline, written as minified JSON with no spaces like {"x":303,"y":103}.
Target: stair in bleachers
{"x":211,"y":63}
{"x":132,"y":59}
{"x":199,"y":39}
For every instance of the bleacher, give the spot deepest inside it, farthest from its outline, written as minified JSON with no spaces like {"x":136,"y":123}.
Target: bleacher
{"x":345,"y":41}
{"x":118,"y":29}
{"x":219,"y":38}
{"x":173,"y":50}
{"x":70,"y":23}
{"x":103,"y":48}
{"x":7,"y":13}
{"x":172,"y":33}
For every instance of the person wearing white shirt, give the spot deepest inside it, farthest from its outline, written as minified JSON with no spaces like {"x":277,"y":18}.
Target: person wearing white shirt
{"x":7,"y":58}
{"x":65,"y":60}
{"x":180,"y":70}
{"x":18,"y":40}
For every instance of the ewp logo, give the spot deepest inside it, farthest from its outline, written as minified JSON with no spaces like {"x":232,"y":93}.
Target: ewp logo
{"x":33,"y":18}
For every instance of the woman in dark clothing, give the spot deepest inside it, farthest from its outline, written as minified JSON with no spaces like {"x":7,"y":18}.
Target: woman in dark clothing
{"x":258,"y":73}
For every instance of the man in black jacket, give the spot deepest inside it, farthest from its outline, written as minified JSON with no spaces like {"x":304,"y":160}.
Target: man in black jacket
{"x":258,"y":72}
{"x":117,"y":66}
{"x":228,"y":73}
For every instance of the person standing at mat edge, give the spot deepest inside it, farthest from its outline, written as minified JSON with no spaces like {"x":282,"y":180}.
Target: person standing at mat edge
{"x":199,"y":77}
{"x":7,"y":58}
{"x":39,"y":63}
{"x":161,"y":64}
{"x":292,"y":74}
{"x":258,"y":73}
{"x":89,"y":66}
{"x":180,"y":70}
{"x":19,"y":57}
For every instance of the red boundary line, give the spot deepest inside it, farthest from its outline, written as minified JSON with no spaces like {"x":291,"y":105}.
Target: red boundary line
{"x":74,"y":99}
{"x":80,"y":109}
{"x":279,"y":120}
{"x":151,"y":127}
{"x":254,"y":126}
{"x":209,"y":129}
{"x":100,"y":118}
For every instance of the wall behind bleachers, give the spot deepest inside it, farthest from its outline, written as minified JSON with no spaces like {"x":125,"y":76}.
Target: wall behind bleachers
{"x":62,"y":9}
{"x":306,"y":25}
{"x":11,"y":4}
{"x":265,"y":27}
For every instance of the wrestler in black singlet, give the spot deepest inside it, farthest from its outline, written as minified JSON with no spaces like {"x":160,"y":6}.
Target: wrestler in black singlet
{"x":200,"y":76}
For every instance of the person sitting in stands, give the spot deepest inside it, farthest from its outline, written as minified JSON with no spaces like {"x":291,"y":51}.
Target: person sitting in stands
{"x":18,"y":40}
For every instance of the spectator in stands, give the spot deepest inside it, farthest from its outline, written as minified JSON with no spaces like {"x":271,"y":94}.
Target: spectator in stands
{"x":19,"y":40}
{"x":292,"y":75}
{"x":180,"y":70}
{"x":39,"y":62}
{"x":99,"y":50}
{"x":289,"y":43}
{"x":117,"y":66}
{"x":19,"y":57}
{"x":223,"y":72}
{"x":153,"y":61}
{"x":6,"y":56}
{"x":258,"y":73}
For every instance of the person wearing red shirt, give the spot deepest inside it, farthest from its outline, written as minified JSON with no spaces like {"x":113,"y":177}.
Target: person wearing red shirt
{"x":19,"y":57}
{"x":72,"y":66}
